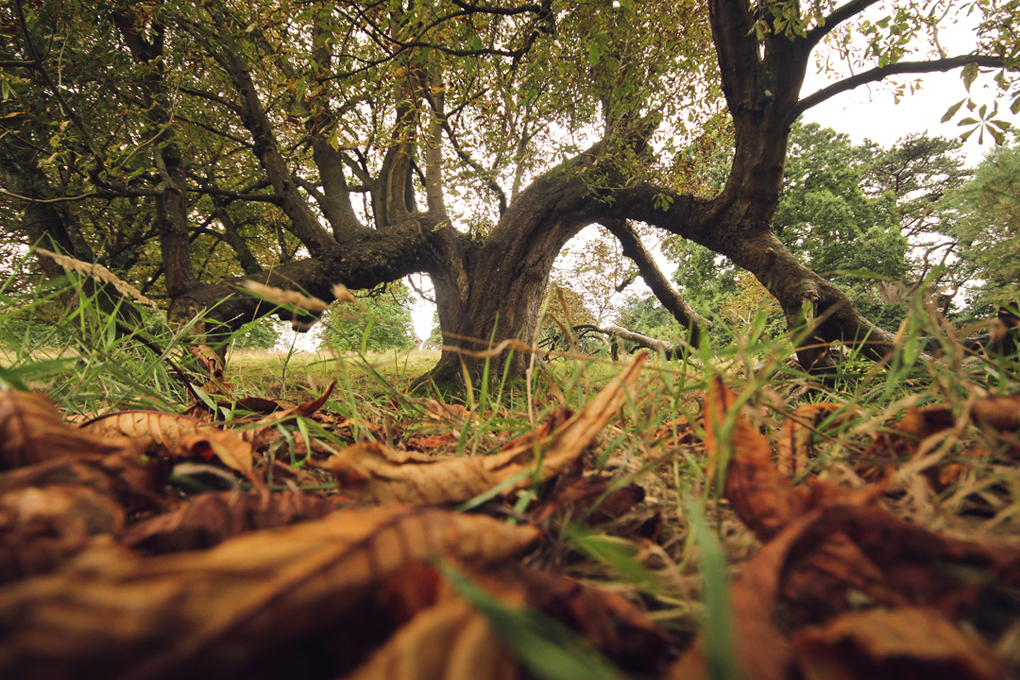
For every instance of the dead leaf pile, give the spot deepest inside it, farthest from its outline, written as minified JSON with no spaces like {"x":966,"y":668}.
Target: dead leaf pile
{"x":112,"y":574}
{"x":108,"y":570}
{"x":865,"y":594}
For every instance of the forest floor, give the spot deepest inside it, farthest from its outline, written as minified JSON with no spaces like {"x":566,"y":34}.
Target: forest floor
{"x":305,"y":514}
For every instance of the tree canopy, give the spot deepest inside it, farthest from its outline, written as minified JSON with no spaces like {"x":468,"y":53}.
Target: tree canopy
{"x":185,"y":144}
{"x":988,"y":225}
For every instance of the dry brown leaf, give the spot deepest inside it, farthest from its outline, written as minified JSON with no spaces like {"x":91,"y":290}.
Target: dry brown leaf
{"x":910,"y":642}
{"x":760,"y":651}
{"x":997,"y":417}
{"x":162,"y":429}
{"x":210,"y":361}
{"x":181,"y":436}
{"x":305,"y":409}
{"x":794,"y":448}
{"x":451,"y":413}
{"x":675,"y":433}
{"x":50,"y":511}
{"x":897,"y":564}
{"x":228,"y":611}
{"x":609,"y":622}
{"x":32,"y":431}
{"x":450,"y":641}
{"x":281,"y":473}
{"x":916,"y":566}
{"x":432,"y":442}
{"x":211,"y":518}
{"x":259,"y":404}
{"x":765,"y":500}
{"x":120,"y":477}
{"x":373,"y":472}
{"x":228,"y":447}
{"x":40,"y":528}
{"x":577,"y":495}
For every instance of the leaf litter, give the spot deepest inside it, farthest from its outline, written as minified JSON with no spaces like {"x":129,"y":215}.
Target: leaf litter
{"x":353,"y":560}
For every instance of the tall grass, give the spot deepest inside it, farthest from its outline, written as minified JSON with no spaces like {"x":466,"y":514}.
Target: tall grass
{"x":61,"y":339}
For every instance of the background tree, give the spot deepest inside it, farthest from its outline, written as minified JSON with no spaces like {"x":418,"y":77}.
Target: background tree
{"x":988,"y":224}
{"x":465,"y":140}
{"x":378,"y":321}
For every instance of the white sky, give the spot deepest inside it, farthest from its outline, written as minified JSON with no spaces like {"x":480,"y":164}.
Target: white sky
{"x":872,"y":113}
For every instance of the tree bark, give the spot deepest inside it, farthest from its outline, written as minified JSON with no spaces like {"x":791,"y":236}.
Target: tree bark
{"x":171,"y":204}
{"x":653,"y":277}
{"x":493,"y":291}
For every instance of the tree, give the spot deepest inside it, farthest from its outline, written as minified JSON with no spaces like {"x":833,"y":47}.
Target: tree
{"x":988,"y":224}
{"x":263,"y":335}
{"x":378,"y":321}
{"x":847,"y":210}
{"x":381,"y":139}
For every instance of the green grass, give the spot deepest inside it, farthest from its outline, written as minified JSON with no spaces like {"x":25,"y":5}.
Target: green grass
{"x":89,"y":364}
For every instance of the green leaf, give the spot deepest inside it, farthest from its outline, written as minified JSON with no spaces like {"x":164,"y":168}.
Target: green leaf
{"x":968,"y":121}
{"x":970,"y":72}
{"x":997,"y":135}
{"x":952,"y":111}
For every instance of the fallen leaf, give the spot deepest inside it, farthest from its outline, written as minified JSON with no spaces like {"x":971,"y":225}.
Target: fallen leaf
{"x":211,"y":518}
{"x":765,"y":499}
{"x":432,"y":442}
{"x":450,"y":641}
{"x":162,"y":429}
{"x":675,"y":433}
{"x":304,"y":410}
{"x":227,"y":447}
{"x":444,"y":413}
{"x":577,"y":495}
{"x":917,"y":566}
{"x":761,"y":651}
{"x":609,"y":622}
{"x":909,"y":642}
{"x":373,"y":472}
{"x":282,"y":473}
{"x":997,"y":417}
{"x":228,"y":611}
{"x":794,"y":448}
{"x":32,"y":431}
{"x":40,"y":528}
{"x":259,"y":404}
{"x":209,"y":360}
{"x":120,"y":477}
